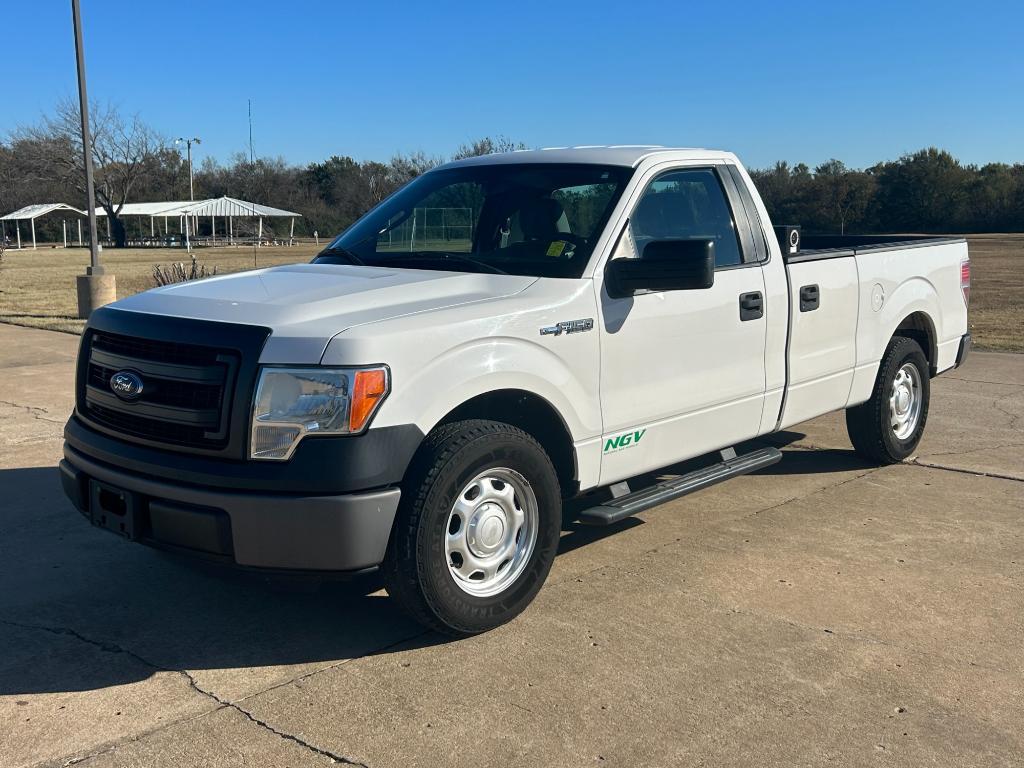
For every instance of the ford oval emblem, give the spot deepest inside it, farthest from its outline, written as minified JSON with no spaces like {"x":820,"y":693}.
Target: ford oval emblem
{"x":126,"y":384}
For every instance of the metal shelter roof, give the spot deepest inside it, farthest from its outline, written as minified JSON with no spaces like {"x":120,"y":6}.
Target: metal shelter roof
{"x":215,"y":206}
{"x":146,"y":209}
{"x":39,"y":209}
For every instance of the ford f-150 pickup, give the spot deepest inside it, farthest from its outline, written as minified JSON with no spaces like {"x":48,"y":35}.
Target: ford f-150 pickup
{"x":501,"y":335}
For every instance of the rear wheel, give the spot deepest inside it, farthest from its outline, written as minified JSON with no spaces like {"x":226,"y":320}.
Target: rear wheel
{"x":477,"y":529}
{"x":888,"y":427}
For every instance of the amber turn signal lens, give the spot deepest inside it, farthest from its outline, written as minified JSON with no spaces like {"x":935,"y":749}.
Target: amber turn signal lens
{"x":367,"y":391}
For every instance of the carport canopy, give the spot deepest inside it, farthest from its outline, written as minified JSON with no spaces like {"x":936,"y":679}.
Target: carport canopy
{"x":225,"y":207}
{"x":33,"y":212}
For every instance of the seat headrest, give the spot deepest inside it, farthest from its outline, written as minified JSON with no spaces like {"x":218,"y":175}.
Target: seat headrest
{"x":539,"y":218}
{"x":663,"y":214}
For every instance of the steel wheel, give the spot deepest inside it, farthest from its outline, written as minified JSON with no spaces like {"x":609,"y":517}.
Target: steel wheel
{"x":491,"y":532}
{"x":905,"y":401}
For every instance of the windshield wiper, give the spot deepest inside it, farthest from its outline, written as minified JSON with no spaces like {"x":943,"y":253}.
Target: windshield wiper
{"x":446,"y":256}
{"x":345,"y":253}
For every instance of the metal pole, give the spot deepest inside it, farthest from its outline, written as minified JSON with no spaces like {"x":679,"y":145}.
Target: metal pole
{"x":79,"y":233}
{"x":83,"y":101}
{"x":191,"y":190}
{"x":64,"y":223}
{"x":33,"y":223}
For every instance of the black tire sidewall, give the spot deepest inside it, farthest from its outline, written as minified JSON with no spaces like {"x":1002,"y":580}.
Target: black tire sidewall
{"x":908,"y":351}
{"x":453,"y":606}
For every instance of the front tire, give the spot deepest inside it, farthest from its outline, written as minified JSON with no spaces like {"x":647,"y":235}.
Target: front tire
{"x":888,"y":427}
{"x":477,"y":529}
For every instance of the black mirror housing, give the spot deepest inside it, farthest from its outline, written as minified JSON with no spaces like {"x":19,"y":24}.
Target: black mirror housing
{"x":666,"y":265}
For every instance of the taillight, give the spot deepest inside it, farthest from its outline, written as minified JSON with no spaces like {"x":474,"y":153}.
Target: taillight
{"x":965,"y":280}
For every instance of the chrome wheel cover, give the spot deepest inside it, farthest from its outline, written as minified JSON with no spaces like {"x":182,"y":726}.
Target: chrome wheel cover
{"x":491,"y":532}
{"x":905,"y":401}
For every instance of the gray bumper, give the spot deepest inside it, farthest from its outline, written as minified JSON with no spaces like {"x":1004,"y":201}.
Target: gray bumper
{"x":964,"y":350}
{"x":346,"y":532}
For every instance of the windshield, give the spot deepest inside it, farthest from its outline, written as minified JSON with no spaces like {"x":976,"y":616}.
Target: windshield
{"x":540,"y":220}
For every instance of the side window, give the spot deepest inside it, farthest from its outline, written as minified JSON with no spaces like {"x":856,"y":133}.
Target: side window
{"x":687,"y":204}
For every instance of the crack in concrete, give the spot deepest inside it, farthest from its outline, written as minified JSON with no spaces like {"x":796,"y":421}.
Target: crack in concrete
{"x":976,"y":450}
{"x":1014,"y":417}
{"x":980,"y":381}
{"x":34,"y":411}
{"x":916,"y":462}
{"x":192,"y":683}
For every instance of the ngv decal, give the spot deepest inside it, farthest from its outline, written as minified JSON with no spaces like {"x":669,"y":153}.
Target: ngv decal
{"x":626,"y":440}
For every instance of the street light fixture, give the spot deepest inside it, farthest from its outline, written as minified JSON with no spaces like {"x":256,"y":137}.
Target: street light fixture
{"x":96,"y":287}
{"x":188,"y":143}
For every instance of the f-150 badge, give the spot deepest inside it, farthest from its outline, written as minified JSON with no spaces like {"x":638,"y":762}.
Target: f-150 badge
{"x":568,"y":326}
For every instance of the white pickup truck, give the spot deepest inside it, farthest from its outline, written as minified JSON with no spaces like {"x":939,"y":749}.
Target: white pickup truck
{"x":502,"y":334}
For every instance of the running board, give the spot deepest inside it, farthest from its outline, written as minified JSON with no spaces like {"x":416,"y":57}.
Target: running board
{"x":624,"y":506}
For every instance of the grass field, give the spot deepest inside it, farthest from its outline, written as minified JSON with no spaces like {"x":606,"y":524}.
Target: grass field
{"x":37,"y":288}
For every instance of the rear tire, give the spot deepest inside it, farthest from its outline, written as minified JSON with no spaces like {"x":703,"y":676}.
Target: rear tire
{"x":477,"y":528}
{"x":888,"y":427}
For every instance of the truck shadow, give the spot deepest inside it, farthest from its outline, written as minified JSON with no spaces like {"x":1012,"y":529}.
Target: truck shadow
{"x":81,"y":609}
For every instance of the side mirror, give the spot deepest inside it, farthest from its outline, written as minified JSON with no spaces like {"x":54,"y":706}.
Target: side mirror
{"x":666,"y":265}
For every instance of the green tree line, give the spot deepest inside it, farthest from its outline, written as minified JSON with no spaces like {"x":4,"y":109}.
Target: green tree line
{"x":925,"y":191}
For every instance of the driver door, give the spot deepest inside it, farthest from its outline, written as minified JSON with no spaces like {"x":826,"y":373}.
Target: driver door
{"x":682,"y":372}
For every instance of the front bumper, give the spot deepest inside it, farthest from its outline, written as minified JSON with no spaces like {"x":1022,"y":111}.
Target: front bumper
{"x":261,"y":529}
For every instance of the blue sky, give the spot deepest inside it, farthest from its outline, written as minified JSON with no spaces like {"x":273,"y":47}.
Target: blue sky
{"x":801,"y":81}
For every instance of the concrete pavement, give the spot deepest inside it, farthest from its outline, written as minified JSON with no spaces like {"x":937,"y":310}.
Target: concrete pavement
{"x":821,"y":611}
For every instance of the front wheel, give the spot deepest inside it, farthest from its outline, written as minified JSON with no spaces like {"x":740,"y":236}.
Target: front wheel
{"x":888,"y":427}
{"x":477,"y":529}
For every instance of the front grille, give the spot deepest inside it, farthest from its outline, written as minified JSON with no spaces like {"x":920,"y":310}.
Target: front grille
{"x":186,"y":393}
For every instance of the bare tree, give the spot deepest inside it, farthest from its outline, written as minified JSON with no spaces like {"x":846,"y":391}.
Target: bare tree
{"x":487,"y":146}
{"x":124,"y":152}
{"x":406,"y":167}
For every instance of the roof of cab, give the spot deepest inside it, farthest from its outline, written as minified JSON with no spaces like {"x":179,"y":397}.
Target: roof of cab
{"x":628,"y":155}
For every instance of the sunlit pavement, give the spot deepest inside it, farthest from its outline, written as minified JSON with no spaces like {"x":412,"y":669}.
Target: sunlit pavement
{"x":821,"y":611}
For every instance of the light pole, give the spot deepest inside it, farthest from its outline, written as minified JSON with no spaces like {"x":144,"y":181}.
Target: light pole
{"x":188,"y":144}
{"x":95,"y":288}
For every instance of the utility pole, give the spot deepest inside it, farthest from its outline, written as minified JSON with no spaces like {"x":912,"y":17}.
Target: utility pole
{"x":188,"y":144}
{"x":95,"y":287}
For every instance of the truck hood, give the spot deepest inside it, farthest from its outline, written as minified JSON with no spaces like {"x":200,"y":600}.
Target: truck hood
{"x":305,"y":305}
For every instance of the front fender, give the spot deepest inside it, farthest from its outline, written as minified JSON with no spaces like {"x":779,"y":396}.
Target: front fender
{"x":480,"y":366}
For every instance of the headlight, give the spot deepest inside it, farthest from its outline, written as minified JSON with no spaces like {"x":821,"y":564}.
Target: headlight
{"x":291,"y":403}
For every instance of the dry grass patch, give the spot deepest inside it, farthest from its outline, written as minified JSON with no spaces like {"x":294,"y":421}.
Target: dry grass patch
{"x":37,"y":288}
{"x":997,"y":285}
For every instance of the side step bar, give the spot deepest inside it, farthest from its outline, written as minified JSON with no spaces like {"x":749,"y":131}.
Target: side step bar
{"x":624,"y":506}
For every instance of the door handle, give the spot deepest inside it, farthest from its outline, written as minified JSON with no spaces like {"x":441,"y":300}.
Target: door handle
{"x":810,"y":297}
{"x":751,"y":306}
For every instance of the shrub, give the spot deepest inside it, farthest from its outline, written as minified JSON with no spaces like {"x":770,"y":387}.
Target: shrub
{"x":178,"y":273}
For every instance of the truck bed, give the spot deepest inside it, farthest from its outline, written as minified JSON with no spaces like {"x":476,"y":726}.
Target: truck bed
{"x":815,"y":247}
{"x":865,"y":287}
